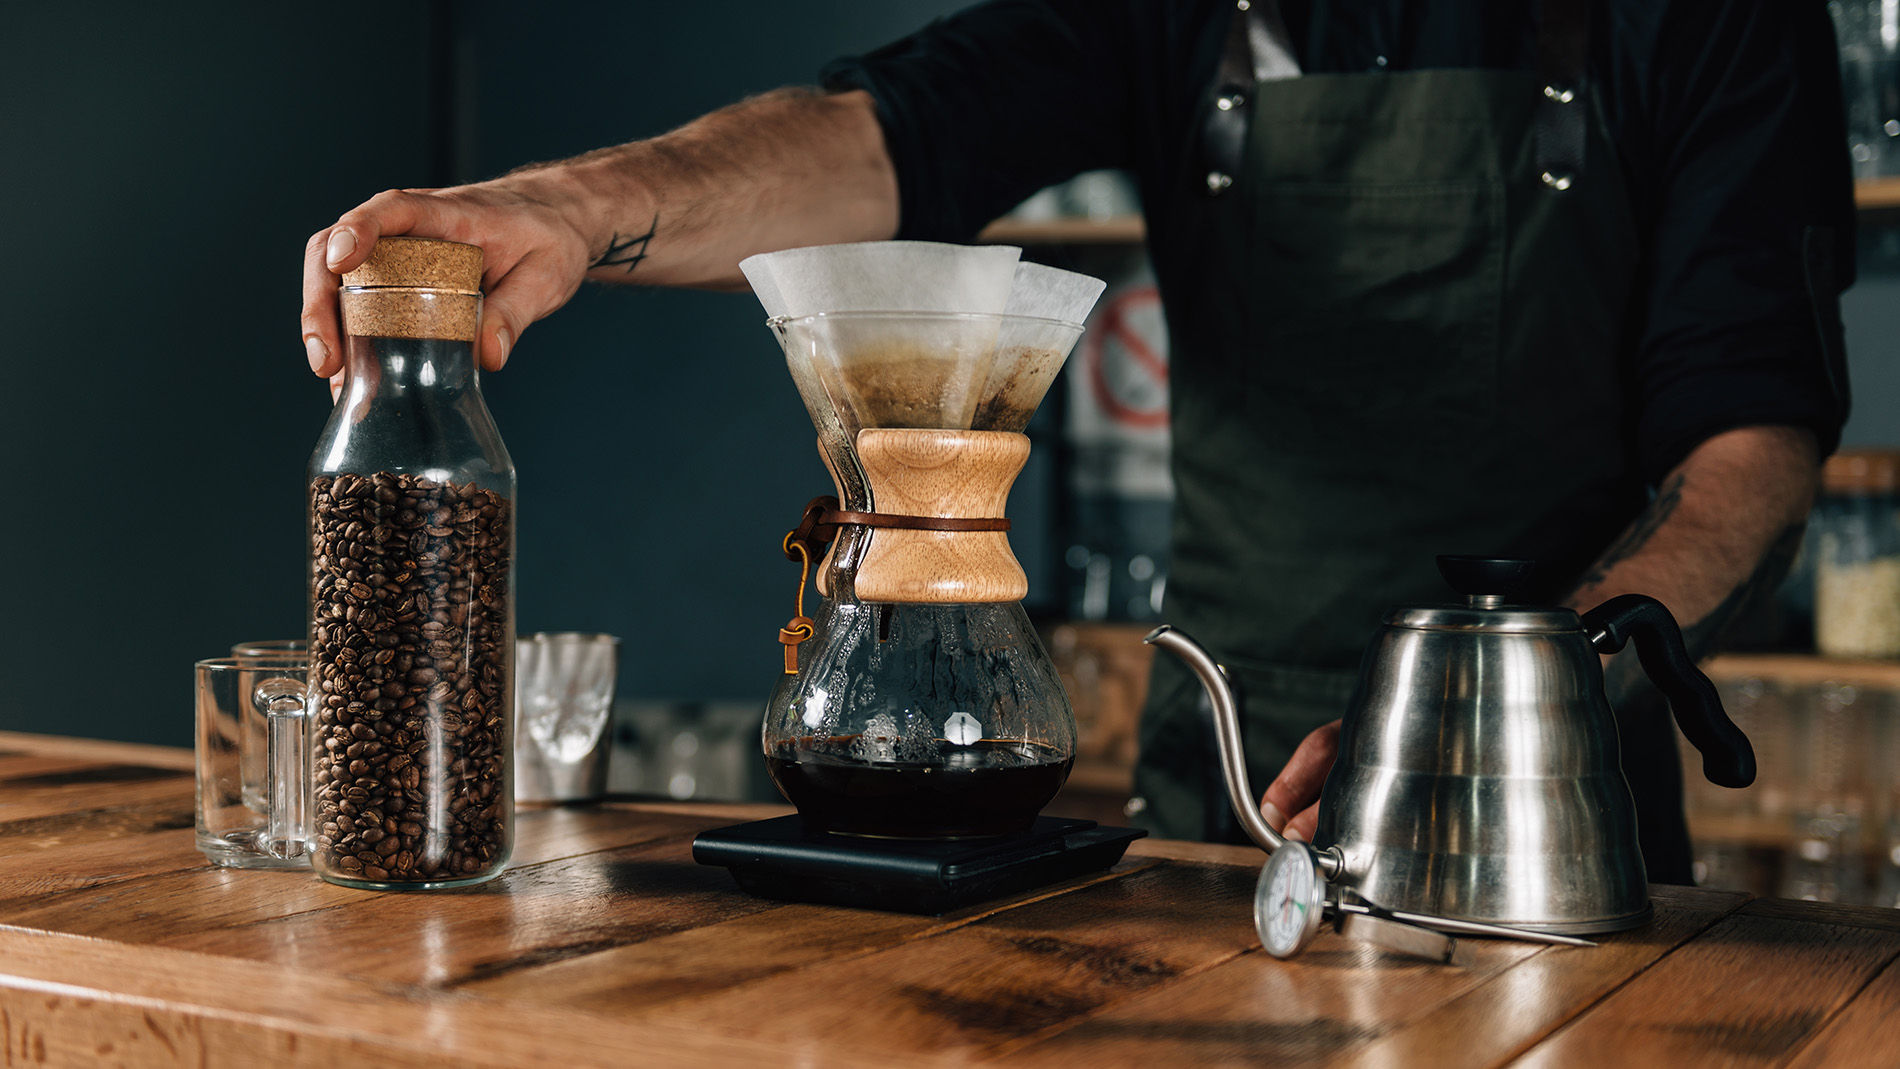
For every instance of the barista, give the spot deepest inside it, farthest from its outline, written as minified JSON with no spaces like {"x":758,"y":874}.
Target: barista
{"x":1418,"y":303}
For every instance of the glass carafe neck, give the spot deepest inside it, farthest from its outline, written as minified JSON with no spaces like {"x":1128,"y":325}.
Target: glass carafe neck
{"x":387,"y":368}
{"x":414,"y":404}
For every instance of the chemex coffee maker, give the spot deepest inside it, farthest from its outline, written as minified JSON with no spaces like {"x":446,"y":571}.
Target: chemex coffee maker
{"x":918,"y":725}
{"x":1478,"y":787}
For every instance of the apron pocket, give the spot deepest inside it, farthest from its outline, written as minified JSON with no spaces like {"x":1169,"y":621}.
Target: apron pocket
{"x":1375,"y":314}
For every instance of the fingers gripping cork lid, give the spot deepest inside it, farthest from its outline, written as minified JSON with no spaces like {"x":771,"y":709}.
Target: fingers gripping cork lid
{"x":423,"y":262}
{"x":415,"y":288}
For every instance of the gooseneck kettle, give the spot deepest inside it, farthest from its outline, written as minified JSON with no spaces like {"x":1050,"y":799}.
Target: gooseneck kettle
{"x":1478,"y":776}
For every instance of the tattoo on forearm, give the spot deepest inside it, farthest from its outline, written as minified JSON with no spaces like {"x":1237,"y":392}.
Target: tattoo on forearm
{"x":1648,"y":522}
{"x":1704,"y":636}
{"x":628,"y":251}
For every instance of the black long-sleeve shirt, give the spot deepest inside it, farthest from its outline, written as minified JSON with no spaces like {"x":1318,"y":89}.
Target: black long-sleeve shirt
{"x":1726,"y":115}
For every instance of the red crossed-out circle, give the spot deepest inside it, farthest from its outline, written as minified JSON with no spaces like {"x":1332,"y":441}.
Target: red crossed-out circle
{"x":1114,"y":323}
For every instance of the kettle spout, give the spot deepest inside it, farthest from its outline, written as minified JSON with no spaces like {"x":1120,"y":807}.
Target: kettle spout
{"x":1233,"y":760}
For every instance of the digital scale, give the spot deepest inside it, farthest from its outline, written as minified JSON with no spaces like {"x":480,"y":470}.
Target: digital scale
{"x":780,"y":858}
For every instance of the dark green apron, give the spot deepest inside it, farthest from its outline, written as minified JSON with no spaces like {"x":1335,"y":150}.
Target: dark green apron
{"x":1422,"y":356}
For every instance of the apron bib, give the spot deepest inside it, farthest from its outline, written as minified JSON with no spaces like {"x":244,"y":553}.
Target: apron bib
{"x":1425,"y":359}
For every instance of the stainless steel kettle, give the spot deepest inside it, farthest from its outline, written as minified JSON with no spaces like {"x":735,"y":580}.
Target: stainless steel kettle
{"x":1478,"y":775}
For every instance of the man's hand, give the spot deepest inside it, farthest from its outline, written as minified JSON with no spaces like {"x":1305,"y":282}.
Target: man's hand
{"x":1296,"y":789}
{"x":782,"y":170}
{"x":534,"y":256}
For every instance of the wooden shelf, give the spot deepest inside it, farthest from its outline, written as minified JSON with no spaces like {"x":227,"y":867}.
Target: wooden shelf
{"x":1873,"y":196}
{"x":1804,"y":670}
{"x":1119,"y":230}
{"x":1877,"y":194}
{"x":1763,"y":831}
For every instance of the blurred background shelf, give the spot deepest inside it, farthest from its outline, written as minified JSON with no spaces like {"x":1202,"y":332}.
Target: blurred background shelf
{"x":1115,"y":230}
{"x":1803,"y":669}
{"x":1822,"y":820}
{"x":1878,"y":196}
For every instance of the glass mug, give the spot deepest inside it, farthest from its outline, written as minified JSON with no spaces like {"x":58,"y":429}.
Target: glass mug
{"x":251,"y":761}
{"x":253,"y":748}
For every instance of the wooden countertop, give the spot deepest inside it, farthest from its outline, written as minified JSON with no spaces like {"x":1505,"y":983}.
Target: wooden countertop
{"x":604,"y":944}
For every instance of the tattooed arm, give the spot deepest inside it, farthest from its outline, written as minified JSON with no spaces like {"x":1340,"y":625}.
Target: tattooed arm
{"x":1722,"y":530}
{"x":790,"y":168}
{"x":1720,"y":533}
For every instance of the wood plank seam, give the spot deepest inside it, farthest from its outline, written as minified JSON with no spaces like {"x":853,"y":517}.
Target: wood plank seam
{"x":170,"y":985}
{"x":1384,"y":1048}
{"x":1611,"y":992}
{"x":1756,"y":1019}
{"x":1820,"y":1029}
{"x":1067,"y":964}
{"x":1008,"y":1047}
{"x":935,"y":927}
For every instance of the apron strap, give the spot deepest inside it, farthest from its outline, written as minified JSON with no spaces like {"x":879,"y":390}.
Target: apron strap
{"x":1257,"y":49}
{"x":1563,"y":56}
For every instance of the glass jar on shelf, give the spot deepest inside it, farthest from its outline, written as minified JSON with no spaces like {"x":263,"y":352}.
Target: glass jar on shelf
{"x":412,"y":632}
{"x":1832,"y":736}
{"x":1868,"y":33}
{"x":1856,"y":537}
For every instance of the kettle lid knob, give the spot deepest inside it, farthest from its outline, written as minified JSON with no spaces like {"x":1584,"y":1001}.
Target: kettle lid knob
{"x":1489,"y":578}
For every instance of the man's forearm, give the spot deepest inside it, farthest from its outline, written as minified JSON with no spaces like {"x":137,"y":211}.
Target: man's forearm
{"x":790,"y":168}
{"x":1721,"y":532}
{"x":786,"y":169}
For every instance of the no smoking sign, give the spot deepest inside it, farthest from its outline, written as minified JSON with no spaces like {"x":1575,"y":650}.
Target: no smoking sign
{"x":1122,"y":391}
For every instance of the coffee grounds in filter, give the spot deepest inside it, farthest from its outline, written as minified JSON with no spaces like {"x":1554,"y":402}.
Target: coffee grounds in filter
{"x":408,"y":655}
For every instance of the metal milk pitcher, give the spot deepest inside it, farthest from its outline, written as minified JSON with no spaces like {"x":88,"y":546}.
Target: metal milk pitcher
{"x":1478,"y":774}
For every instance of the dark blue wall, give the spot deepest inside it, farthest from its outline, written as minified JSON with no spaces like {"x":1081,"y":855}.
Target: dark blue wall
{"x":160,"y":169}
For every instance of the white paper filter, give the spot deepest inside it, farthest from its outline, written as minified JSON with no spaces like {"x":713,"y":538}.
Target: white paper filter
{"x":1050,"y":293}
{"x":907,"y":369}
{"x":883,"y":276}
{"x":897,"y":370}
{"x":1030,"y":350}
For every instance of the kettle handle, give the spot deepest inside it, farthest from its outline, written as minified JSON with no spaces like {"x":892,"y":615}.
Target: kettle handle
{"x":1727,"y":758}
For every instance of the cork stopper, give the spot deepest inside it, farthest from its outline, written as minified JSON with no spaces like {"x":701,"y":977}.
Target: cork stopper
{"x":415,"y":288}
{"x":1861,"y":471}
{"x":420,"y":262}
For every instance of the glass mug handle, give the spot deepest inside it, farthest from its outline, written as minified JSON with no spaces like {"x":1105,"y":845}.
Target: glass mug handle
{"x":287,"y":737}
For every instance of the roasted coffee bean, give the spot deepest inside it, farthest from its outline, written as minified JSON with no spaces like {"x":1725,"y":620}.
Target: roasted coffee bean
{"x":410,"y":600}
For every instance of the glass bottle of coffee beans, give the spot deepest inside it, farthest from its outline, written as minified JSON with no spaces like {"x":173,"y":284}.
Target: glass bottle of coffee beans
{"x":412,"y":630}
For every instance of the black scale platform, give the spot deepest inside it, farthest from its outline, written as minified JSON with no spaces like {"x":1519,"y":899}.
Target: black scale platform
{"x":780,"y":858}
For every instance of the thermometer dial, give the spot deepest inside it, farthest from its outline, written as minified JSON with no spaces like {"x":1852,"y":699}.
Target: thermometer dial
{"x":1289,"y":902}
